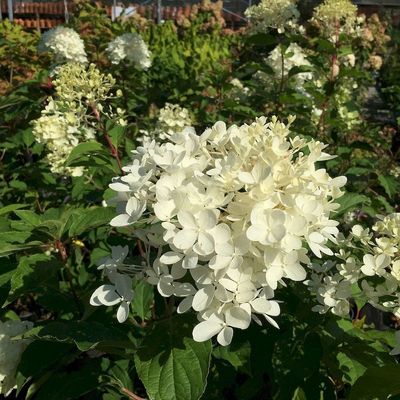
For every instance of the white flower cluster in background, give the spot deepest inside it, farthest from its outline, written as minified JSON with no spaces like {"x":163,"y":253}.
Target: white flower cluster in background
{"x":238,"y":92}
{"x":172,"y":118}
{"x":10,"y":352}
{"x":65,"y":44}
{"x":292,"y":56}
{"x":68,"y":119}
{"x":132,"y":47}
{"x":369,"y":271}
{"x":277,"y":14}
{"x":336,"y":16}
{"x":230,"y":216}
{"x":344,"y":102}
{"x":60,"y":132}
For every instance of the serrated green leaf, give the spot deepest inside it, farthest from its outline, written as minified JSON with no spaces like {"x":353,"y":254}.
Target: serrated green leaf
{"x":171,"y":365}
{"x":29,"y":217}
{"x":83,"y":149}
{"x":91,"y":218}
{"x":10,"y":208}
{"x":351,"y":369}
{"x":143,"y":299}
{"x":84,"y":334}
{"x":349,"y":201}
{"x":389,"y":183}
{"x":33,"y":273}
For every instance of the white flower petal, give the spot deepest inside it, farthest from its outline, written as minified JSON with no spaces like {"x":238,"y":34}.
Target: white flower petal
{"x":203,"y":298}
{"x":123,"y":312}
{"x":224,"y":338}
{"x":206,"y":330}
{"x":237,"y":317}
{"x":105,"y":295}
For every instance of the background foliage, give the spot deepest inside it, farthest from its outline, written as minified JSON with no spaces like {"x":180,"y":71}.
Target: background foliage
{"x":54,"y":228}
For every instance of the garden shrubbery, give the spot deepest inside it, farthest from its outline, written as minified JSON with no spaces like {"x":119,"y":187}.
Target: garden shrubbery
{"x":193,"y":212}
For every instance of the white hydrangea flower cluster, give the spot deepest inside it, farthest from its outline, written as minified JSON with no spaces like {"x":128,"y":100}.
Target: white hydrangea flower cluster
{"x":239,"y":92}
{"x":10,"y":352}
{"x":370,"y":270}
{"x":65,"y":44}
{"x":336,"y":16}
{"x":277,"y":14}
{"x":229,"y":215}
{"x":345,"y":105}
{"x":60,"y":132}
{"x":283,"y":61}
{"x":68,"y":119}
{"x":132,"y":47}
{"x":172,"y":118}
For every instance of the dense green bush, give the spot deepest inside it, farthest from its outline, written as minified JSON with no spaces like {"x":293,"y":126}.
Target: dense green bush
{"x":68,"y":130}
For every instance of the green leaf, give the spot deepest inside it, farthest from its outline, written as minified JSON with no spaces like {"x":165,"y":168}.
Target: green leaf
{"x":117,"y":134}
{"x":83,"y":149}
{"x":171,"y":365}
{"x":377,"y":383}
{"x":262,"y":39}
{"x":143,"y":299}
{"x":74,"y":384}
{"x":7,"y":270}
{"x":91,"y":218}
{"x":33,"y":273}
{"x":238,"y":355}
{"x":38,"y":357}
{"x":7,"y":248}
{"x":352,"y":369}
{"x":299,"y":394}
{"x":299,"y":70}
{"x":29,"y":217}
{"x":84,"y":334}
{"x":349,"y":201}
{"x":389,"y":183}
{"x":11,"y":207}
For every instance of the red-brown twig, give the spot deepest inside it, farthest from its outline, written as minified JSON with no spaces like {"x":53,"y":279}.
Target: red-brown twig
{"x":131,"y":395}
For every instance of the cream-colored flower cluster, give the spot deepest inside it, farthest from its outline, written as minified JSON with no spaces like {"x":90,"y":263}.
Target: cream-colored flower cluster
{"x":172,"y":118}
{"x":132,"y":47}
{"x":229,"y":215}
{"x":343,"y":101}
{"x":238,"y":92}
{"x":335,"y":17}
{"x":283,"y":61}
{"x":65,"y":44}
{"x":10,"y":352}
{"x":82,"y":86}
{"x":61,"y":132}
{"x":369,"y":271}
{"x":71,"y":116}
{"x":277,"y":14}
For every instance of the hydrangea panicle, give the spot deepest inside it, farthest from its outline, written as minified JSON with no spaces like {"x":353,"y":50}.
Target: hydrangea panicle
{"x":132,"y":47}
{"x":277,"y":14}
{"x":65,"y":44}
{"x":370,"y":261}
{"x":68,"y":119}
{"x":231,"y":215}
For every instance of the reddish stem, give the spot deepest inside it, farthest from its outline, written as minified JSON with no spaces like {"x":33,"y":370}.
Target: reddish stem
{"x":131,"y":395}
{"x":113,"y":149}
{"x":140,"y":248}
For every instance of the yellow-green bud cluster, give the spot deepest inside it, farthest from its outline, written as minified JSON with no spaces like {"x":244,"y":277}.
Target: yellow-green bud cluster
{"x":335,"y":16}
{"x":71,"y":117}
